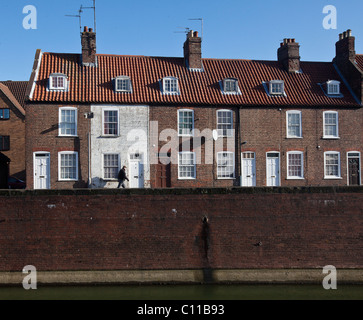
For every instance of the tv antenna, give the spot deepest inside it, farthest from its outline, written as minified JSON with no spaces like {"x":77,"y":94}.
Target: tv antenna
{"x":201,"y":20}
{"x":77,"y":16}
{"x":186,"y":30}
{"x":94,"y":13}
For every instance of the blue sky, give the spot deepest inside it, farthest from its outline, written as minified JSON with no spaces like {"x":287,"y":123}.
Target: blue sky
{"x":233,"y":29}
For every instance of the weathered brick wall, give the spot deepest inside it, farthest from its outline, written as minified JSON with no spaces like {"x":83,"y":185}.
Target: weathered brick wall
{"x":164,"y":229}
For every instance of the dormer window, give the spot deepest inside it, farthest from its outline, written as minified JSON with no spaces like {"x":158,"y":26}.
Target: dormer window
{"x":170,"y":85}
{"x":230,"y":85}
{"x":58,"y":81}
{"x":333,"y":87}
{"x":123,"y":84}
{"x":276,"y":87}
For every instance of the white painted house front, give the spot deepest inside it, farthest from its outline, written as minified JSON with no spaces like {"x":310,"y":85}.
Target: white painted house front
{"x":119,"y":137}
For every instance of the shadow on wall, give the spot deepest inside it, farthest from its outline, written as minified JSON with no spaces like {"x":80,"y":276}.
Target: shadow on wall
{"x":99,"y":183}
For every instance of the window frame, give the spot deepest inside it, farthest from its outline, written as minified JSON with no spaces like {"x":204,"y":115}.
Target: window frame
{"x":123,"y":78}
{"x":235,"y":81}
{"x":339,"y":176}
{"x":192,"y":130}
{"x":57,"y":88}
{"x":279,"y":82}
{"x":325,"y":136}
{"x":75,"y":121}
{"x":60,"y":165}
{"x":117,"y":134}
{"x":194,"y":166}
{"x":103,"y":165}
{"x":330,"y":84}
{"x":3,"y":143}
{"x":164,"y":85}
{"x":291,"y":177}
{"x":229,"y":131}
{"x":234,"y":165}
{"x":291,"y":112}
{"x":2,"y":114}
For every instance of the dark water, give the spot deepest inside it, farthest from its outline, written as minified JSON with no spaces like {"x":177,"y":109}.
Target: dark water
{"x":185,"y":292}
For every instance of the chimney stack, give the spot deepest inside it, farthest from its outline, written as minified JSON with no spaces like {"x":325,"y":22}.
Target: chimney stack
{"x":193,"y":50}
{"x":344,"y":48}
{"x":88,"y":40}
{"x":289,"y":55}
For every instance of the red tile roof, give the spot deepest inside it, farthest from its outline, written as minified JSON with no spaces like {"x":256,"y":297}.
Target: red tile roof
{"x":94,"y":84}
{"x":359,"y":60}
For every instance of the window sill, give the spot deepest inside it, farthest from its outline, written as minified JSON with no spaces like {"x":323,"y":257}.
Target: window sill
{"x":65,"y":136}
{"x":295,"y":178}
{"x":110,"y":137}
{"x":331,"y":138}
{"x":294,"y":137}
{"x":333,"y":178}
{"x":226,"y":178}
{"x":187,"y":178}
{"x":70,"y":180}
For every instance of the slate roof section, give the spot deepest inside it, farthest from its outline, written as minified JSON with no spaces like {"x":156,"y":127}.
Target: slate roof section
{"x":18,"y":89}
{"x":359,"y":60}
{"x":94,"y":84}
{"x":12,"y":98}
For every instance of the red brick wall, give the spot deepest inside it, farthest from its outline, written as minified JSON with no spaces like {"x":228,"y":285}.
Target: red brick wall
{"x":163,"y":229}
{"x":42,"y":134}
{"x":15,"y":128}
{"x":264,"y":129}
{"x":204,"y":118}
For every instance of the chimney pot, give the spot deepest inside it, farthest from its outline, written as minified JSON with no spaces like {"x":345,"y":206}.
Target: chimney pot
{"x":90,"y":30}
{"x":349,"y":33}
{"x":340,"y":36}
{"x":85,"y":29}
{"x":344,"y":34}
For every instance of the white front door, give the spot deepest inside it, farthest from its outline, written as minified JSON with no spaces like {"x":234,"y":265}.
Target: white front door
{"x":273,"y":169}
{"x":41,"y":171}
{"x":136,"y":175}
{"x":248,"y":169}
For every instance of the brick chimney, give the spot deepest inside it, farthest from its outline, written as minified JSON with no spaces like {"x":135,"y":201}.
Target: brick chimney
{"x":345,"y":61}
{"x":289,"y":55}
{"x":88,"y":40}
{"x":344,"y":48}
{"x":193,"y":50}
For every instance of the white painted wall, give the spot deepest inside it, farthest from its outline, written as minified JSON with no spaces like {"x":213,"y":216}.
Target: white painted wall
{"x":133,"y":137}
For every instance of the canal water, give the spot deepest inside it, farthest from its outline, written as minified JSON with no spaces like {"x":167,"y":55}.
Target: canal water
{"x":185,"y":292}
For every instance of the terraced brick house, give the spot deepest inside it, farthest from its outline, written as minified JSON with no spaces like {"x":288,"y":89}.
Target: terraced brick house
{"x":191,"y":121}
{"x":12,"y":127}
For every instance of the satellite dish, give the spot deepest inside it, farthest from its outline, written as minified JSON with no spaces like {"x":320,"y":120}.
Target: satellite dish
{"x":215,"y":135}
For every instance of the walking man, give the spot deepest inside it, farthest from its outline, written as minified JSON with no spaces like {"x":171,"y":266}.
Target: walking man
{"x":122,"y":177}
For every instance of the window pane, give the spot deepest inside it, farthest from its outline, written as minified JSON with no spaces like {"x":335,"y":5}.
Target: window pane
{"x":294,"y":125}
{"x":186,"y":165}
{"x":332,"y":165}
{"x":225,"y":164}
{"x":68,"y":166}
{"x":111,"y":122}
{"x":295,"y":165}
{"x":111,"y":168}
{"x":224,"y":123}
{"x":4,"y":143}
{"x":331,"y":124}
{"x":186,"y":124}
{"x":68,"y":122}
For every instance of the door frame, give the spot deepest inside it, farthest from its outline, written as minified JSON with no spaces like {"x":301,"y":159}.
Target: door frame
{"x":254,"y":168}
{"x":34,"y":167}
{"x":360,"y":174}
{"x":279,"y":168}
{"x":140,"y":161}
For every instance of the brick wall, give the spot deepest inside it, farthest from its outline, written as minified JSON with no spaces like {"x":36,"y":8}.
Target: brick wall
{"x":15,"y":128}
{"x":264,"y":130}
{"x":42,"y":134}
{"x":165,"y":229}
{"x":205,"y":118}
